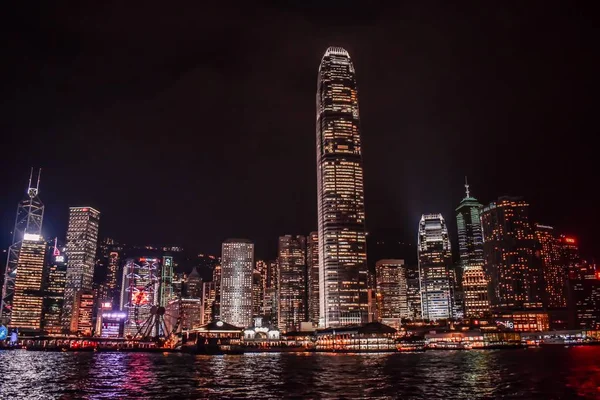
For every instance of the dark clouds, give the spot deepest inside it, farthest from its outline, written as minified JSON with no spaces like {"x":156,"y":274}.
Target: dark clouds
{"x":190,"y":124}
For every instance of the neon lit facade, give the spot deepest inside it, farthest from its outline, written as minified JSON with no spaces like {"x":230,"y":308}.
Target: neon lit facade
{"x":340,"y":190}
{"x":292,"y":282}
{"x":237,"y":265}
{"x":82,"y":242}
{"x":435,"y":256}
{"x":56,"y":281}
{"x":139,"y":291}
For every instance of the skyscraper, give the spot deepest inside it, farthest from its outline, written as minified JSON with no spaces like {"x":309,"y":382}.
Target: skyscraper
{"x":555,"y":274}
{"x":82,"y":241}
{"x":390,"y":277}
{"x":470,"y":247}
{"x":54,"y":292}
{"x":194,"y":284}
{"x":292,"y":284}
{"x":340,"y":189}
{"x":139,"y":291}
{"x":237,"y":265}
{"x":28,"y":296}
{"x":435,"y":256}
{"x":30,"y":216}
{"x":514,"y":274}
{"x":312,"y":265}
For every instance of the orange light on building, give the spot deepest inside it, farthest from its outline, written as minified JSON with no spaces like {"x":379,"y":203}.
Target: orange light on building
{"x":569,"y":240}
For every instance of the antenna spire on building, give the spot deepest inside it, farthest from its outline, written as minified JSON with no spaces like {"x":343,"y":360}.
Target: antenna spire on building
{"x":467,"y":187}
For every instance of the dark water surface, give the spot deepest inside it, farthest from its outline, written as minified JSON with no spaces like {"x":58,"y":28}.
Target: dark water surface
{"x":548,"y":373}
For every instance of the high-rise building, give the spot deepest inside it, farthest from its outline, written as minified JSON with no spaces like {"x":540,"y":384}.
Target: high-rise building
{"x":583,"y":296}
{"x":257,"y":291}
{"x":208,"y":301}
{"x":54,"y":291}
{"x":188,"y":311}
{"x":166,"y":283}
{"x":390,"y":277}
{"x":139,"y":291}
{"x":413,"y":292}
{"x":340,"y":189}
{"x":82,"y":241}
{"x":435,"y":256}
{"x":271,"y":299}
{"x":216,"y":305}
{"x":194,"y":285}
{"x":513,"y":271}
{"x":28,"y":295}
{"x":292,"y":284}
{"x":30,"y":216}
{"x":470,"y":246}
{"x":83,"y":311}
{"x":555,"y":274}
{"x":312,"y":265}
{"x":237,"y":264}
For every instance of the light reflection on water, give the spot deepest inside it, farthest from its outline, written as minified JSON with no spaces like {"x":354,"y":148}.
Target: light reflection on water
{"x":533,"y":373}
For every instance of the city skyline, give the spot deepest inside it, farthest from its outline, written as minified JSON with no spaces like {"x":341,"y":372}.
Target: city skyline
{"x":437,"y":87}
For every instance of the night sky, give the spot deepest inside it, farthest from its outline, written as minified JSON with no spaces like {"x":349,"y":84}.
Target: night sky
{"x":189,"y":125}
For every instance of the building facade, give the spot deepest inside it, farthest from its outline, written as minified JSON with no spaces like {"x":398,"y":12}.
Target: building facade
{"x":29,"y":219}
{"x":340,"y":189}
{"x":392,"y":301}
{"x":312,"y":266}
{"x":470,"y":246}
{"x":292,"y":282}
{"x":54,"y":291}
{"x":513,"y":271}
{"x":237,"y":265}
{"x":435,"y":257}
{"x":555,"y":274}
{"x":139,"y":291}
{"x":28,"y":294}
{"x":82,"y":242}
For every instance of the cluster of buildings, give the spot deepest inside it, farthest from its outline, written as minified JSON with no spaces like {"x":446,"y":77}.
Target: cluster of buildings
{"x":513,"y":272}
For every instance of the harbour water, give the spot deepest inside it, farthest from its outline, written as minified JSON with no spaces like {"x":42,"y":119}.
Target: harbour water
{"x":534,"y":373}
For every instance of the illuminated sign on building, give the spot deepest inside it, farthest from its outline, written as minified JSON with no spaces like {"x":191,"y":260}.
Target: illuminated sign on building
{"x":59,"y":259}
{"x":569,"y":240}
{"x":30,"y":236}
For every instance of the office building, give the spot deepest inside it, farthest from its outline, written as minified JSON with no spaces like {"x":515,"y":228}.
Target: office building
{"x":340,"y":192}
{"x":555,"y":274}
{"x":54,"y":292}
{"x":237,"y":265}
{"x":435,"y":256}
{"x":30,"y":216}
{"x":208,"y":301}
{"x":292,"y":282}
{"x":312,"y":265}
{"x":513,"y":270}
{"x":194,"y":285}
{"x":139,"y":291}
{"x":390,"y":277}
{"x":470,"y":246}
{"x":82,"y":241}
{"x":28,"y":295}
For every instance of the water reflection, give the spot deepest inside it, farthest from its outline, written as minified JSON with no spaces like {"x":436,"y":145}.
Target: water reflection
{"x":532,"y":373}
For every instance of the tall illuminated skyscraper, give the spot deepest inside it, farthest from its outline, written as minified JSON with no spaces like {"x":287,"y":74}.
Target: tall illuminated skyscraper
{"x":54,"y":294}
{"x":434,"y":259}
{"x":340,"y":190}
{"x":292,"y":282}
{"x":82,"y":242}
{"x":514,"y":272}
{"x":470,"y":247}
{"x":312,"y":265}
{"x":30,"y":215}
{"x":28,"y":296}
{"x":237,"y":266}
